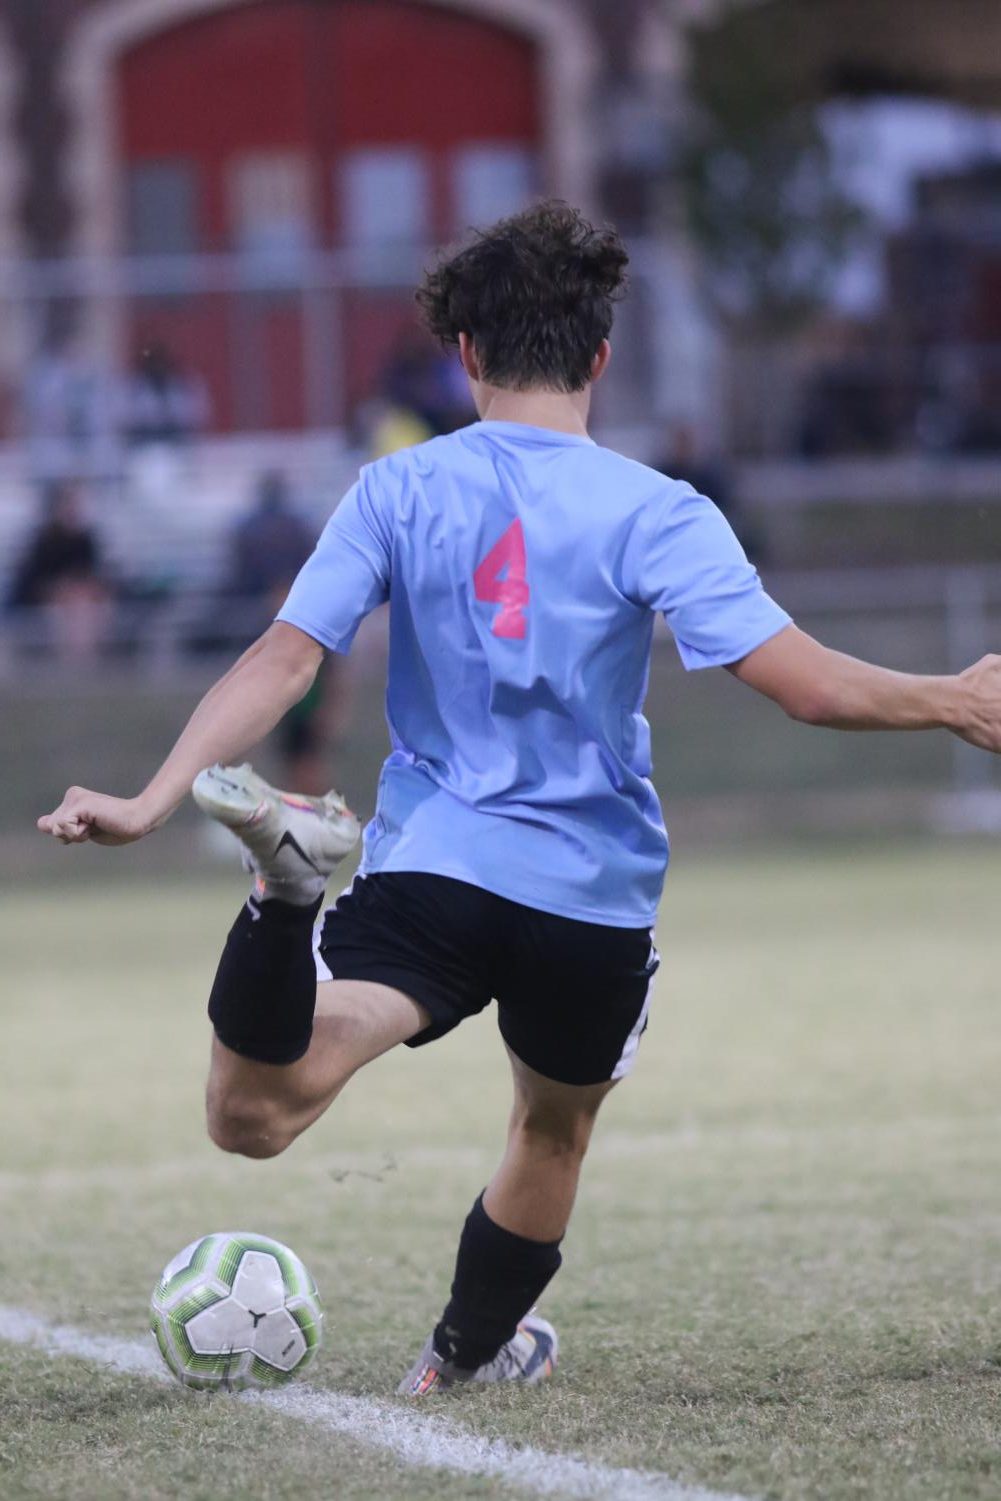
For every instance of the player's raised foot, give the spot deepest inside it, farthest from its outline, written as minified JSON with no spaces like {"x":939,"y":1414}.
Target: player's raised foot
{"x":291,"y":842}
{"x":530,"y":1357}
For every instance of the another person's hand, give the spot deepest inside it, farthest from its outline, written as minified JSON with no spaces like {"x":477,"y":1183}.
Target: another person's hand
{"x":979,"y":719}
{"x":84,"y":815}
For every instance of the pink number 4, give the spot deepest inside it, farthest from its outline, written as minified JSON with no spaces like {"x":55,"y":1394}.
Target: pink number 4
{"x":511,"y":592}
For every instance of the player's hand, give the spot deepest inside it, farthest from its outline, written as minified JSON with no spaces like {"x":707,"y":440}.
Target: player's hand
{"x":979,"y":719}
{"x":84,"y":815}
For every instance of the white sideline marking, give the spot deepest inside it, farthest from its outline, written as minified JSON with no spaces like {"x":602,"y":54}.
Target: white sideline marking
{"x":421,"y":1439}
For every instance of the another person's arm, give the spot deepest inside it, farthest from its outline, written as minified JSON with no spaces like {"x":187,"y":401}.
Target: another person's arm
{"x":818,"y":686}
{"x":241,"y":708}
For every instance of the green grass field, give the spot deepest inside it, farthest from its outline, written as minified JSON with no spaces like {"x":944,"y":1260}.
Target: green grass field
{"x":783,"y":1278}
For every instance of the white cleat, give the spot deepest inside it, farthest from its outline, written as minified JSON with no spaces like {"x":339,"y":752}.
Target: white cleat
{"x":529,"y":1357}
{"x":291,"y":842}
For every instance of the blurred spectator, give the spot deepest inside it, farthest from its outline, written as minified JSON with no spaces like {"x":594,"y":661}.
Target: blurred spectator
{"x":408,"y":381}
{"x":682,"y":461}
{"x":161,"y":403}
{"x":59,"y":406}
{"x":428,"y":383}
{"x":955,"y":413}
{"x":980,"y":432}
{"x":60,"y":575}
{"x":311,"y":730}
{"x":393,"y":428}
{"x":454,"y":400}
{"x":269,"y":545}
{"x":851,"y":405}
{"x":266,"y":548}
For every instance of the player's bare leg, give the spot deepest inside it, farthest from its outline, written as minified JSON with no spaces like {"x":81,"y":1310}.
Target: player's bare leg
{"x":284,"y":1049}
{"x":532,"y":1192}
{"x":257,"y":1109}
{"x":510,"y":1245}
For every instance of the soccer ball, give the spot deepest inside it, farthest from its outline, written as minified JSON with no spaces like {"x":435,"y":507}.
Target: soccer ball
{"x":235,"y":1311}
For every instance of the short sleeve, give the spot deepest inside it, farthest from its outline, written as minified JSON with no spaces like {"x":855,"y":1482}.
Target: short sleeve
{"x":685,"y":560}
{"x":348,"y":573}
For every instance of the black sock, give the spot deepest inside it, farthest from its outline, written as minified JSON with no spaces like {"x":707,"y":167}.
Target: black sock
{"x":498,"y":1276}
{"x":264,"y":994}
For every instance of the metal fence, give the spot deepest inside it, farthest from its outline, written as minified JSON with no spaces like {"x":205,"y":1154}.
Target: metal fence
{"x":712,"y":737}
{"x":274,"y":343}
{"x":300,"y":341}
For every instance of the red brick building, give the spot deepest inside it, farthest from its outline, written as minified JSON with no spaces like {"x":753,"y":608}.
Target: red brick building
{"x":256,"y":134}
{"x":347,"y":133}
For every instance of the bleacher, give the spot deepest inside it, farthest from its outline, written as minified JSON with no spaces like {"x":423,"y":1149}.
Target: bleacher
{"x":166,"y":515}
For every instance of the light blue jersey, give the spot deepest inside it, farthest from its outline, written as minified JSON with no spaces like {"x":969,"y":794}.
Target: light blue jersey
{"x":523,"y":568}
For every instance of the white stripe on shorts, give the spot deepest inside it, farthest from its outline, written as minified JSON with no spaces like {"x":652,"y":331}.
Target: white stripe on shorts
{"x":628,"y":1059}
{"x":322,"y":968}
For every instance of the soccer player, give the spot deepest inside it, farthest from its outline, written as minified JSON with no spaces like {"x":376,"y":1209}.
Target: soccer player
{"x":517,"y":850}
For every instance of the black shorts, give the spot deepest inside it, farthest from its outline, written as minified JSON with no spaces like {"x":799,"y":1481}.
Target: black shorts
{"x":572,"y":996}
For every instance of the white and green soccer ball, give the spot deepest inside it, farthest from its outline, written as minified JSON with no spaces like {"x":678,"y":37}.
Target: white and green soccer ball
{"x":236,"y":1311}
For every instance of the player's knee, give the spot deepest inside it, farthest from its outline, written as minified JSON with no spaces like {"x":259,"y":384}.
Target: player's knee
{"x":553,"y":1133}
{"x":248,"y":1127}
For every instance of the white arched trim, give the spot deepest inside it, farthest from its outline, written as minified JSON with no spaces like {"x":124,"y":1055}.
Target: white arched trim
{"x":96,"y":42}
{"x":13,"y":324}
{"x":11,"y":158}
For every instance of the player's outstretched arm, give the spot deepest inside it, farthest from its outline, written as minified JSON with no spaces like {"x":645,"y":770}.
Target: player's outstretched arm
{"x":275,"y":673}
{"x":823,"y":687}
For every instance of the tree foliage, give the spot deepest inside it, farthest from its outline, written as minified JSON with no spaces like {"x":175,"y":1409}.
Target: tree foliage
{"x":764,"y":203}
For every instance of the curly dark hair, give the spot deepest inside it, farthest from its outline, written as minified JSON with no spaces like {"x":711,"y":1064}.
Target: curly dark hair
{"x":535,"y":293}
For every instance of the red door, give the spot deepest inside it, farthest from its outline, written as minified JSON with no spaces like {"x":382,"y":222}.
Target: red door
{"x":269,"y":129}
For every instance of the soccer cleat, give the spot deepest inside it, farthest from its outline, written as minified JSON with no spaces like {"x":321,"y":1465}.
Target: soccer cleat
{"x":530,"y":1357}
{"x":291,"y":842}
